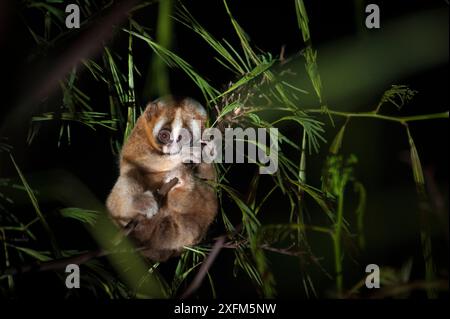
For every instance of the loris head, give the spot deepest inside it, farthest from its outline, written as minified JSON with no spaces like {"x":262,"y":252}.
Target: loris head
{"x":173,"y":122}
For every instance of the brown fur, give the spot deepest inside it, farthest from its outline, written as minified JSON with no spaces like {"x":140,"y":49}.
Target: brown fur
{"x":188,"y":208}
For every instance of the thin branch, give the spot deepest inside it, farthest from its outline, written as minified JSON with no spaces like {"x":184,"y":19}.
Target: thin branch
{"x":396,"y":290}
{"x":400,"y":119}
{"x":284,"y":251}
{"x":195,"y":284}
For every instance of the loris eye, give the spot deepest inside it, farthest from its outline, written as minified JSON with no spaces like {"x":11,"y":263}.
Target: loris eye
{"x":164,"y":136}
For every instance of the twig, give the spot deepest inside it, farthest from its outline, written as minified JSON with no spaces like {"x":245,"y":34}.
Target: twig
{"x":396,"y":290}
{"x":400,"y":119}
{"x":162,"y":192}
{"x":195,"y":284}
{"x":54,"y":264}
{"x":206,"y":265}
{"x":284,"y":251}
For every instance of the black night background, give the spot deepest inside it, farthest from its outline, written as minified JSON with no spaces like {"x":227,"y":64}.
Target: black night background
{"x":67,"y":99}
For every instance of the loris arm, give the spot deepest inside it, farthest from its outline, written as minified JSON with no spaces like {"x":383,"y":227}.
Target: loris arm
{"x":205,"y":171}
{"x":182,"y":221}
{"x":129,"y":198}
{"x":168,"y":232}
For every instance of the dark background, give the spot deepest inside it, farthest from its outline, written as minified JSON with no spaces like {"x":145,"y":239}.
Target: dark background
{"x":391,"y":217}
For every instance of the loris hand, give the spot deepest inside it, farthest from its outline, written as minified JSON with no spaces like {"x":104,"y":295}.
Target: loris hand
{"x":145,"y":204}
{"x":191,"y":154}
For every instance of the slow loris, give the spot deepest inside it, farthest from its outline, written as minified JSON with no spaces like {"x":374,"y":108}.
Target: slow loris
{"x":152,"y":157}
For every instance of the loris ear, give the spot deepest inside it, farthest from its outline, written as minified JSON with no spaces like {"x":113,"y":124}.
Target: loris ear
{"x":198,"y":109}
{"x":152,"y":109}
{"x":150,"y":117}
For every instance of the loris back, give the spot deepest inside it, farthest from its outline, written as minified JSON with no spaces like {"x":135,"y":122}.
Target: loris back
{"x":151,"y":157}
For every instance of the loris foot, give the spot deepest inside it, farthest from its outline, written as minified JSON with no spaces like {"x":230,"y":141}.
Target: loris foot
{"x":145,"y":204}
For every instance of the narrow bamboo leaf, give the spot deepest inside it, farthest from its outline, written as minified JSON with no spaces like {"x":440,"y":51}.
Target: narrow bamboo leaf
{"x":85,"y":216}
{"x":41,"y":256}
{"x":36,"y":207}
{"x":337,"y":142}
{"x":360,"y":212}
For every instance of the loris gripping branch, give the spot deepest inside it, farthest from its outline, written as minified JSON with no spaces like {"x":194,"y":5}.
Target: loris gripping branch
{"x":151,"y":158}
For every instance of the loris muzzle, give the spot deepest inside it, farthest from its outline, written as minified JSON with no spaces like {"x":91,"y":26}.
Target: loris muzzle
{"x":152,"y":157}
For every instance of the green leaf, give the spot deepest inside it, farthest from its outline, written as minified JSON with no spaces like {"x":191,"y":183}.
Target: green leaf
{"x":415,"y":162}
{"x":360,"y":212}
{"x":83,"y":215}
{"x":337,"y":142}
{"x":36,"y":206}
{"x":173,"y":60}
{"x":41,"y":256}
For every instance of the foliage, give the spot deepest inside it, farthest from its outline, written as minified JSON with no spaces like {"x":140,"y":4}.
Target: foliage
{"x":257,"y":88}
